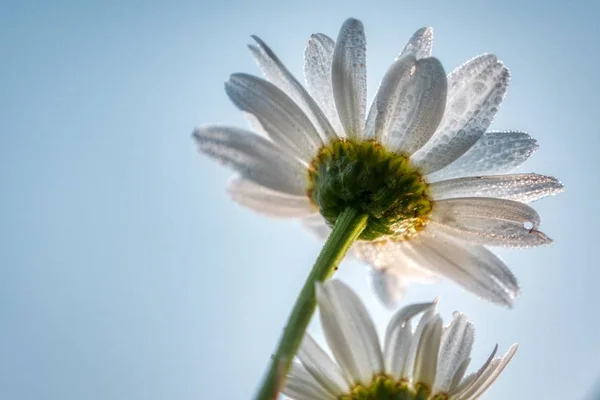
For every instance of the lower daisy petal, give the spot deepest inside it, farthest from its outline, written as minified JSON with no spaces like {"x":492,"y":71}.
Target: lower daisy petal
{"x":427,"y":364}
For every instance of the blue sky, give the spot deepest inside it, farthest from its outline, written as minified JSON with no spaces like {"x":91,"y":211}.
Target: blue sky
{"x":126,"y":272}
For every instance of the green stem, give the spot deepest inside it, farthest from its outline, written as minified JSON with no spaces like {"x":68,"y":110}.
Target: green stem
{"x":346,"y":230}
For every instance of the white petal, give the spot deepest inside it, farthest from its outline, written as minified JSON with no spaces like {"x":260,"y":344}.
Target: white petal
{"x":398,"y":337}
{"x":427,"y":352}
{"x":300,"y":385}
{"x":475,"y":91}
{"x":519,"y":187}
{"x":254,"y":157}
{"x":280,"y":117}
{"x":392,"y":271}
{"x":475,"y":268}
{"x":318,"y":59}
{"x":455,"y":349}
{"x":459,"y":374}
{"x":489,"y":375}
{"x":349,"y":77}
{"x":409,"y":104}
{"x":279,"y":75}
{"x":392,"y":255}
{"x":420,"y":44}
{"x":316,"y":224}
{"x":493,"y":153}
{"x":388,"y":285}
{"x":409,"y":365}
{"x":269,"y":202}
{"x":320,"y":366}
{"x":349,"y":331}
{"x":457,"y":392}
{"x":486,"y":221}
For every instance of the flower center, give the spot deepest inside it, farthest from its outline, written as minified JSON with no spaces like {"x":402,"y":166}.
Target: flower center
{"x":367,"y":177}
{"x":385,"y":388}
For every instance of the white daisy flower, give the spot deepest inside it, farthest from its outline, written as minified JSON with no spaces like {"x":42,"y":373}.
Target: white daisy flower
{"x":420,"y":163}
{"x":429,"y":362}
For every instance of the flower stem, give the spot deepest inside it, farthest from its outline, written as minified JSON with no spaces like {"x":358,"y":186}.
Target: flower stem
{"x":348,"y":227}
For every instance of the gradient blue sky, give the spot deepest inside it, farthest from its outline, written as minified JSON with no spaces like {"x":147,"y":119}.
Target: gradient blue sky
{"x":125,"y":271}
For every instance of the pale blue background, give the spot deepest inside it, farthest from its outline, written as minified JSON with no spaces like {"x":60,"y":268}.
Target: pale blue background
{"x":125,"y":271}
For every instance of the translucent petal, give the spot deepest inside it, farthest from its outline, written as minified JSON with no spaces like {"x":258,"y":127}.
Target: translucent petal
{"x":254,"y":157}
{"x":300,"y":385}
{"x":455,"y":349}
{"x":495,"y":373}
{"x":475,"y":91}
{"x":388,"y":285}
{"x":316,"y":224}
{"x":409,"y":103}
{"x":486,"y":221}
{"x":349,"y":331}
{"x":392,"y":271}
{"x":398,"y":337}
{"x":519,"y":187}
{"x":460,"y":373}
{"x":280,"y":117}
{"x":349,"y":77}
{"x":494,"y":153}
{"x":269,"y":202}
{"x":391,"y":255}
{"x":420,"y":44}
{"x":426,"y":359}
{"x":279,"y":75}
{"x":318,"y":59}
{"x":475,"y":268}
{"x":409,"y":365}
{"x":321,"y":367}
{"x":486,"y":376}
{"x":466,"y":383}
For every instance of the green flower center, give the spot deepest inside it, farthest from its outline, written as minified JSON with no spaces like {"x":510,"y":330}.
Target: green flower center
{"x":367,"y":177}
{"x":385,"y":388}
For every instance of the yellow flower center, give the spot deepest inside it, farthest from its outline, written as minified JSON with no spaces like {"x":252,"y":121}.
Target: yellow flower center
{"x":383,"y":387}
{"x":377,"y":182}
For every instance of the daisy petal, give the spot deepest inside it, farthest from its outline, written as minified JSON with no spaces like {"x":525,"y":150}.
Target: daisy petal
{"x":427,"y":353}
{"x":318,"y":59}
{"x":280,"y":117}
{"x":494,"y":153}
{"x":300,"y":385}
{"x":463,"y":386}
{"x":409,"y":365}
{"x":316,"y":224}
{"x":388,"y":285}
{"x":455,"y":349}
{"x":486,"y":221}
{"x":279,"y":75}
{"x":269,"y":202}
{"x":519,"y":187}
{"x":254,"y":157}
{"x":489,"y":376}
{"x":349,"y":77}
{"x":475,"y":91}
{"x":420,"y":44}
{"x":459,"y":374}
{"x":473,"y":267}
{"x":409,"y":104}
{"x":349,"y":331}
{"x":322,"y":368}
{"x":398,"y":337}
